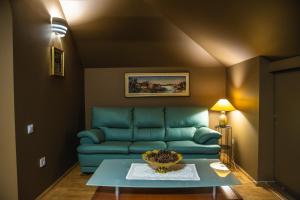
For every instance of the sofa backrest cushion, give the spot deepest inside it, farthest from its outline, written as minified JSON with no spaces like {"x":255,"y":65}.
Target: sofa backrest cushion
{"x":149,"y":123}
{"x":115,"y":122}
{"x":186,"y":117}
{"x":182,"y":122}
{"x":112,"y":117}
{"x":149,"y":117}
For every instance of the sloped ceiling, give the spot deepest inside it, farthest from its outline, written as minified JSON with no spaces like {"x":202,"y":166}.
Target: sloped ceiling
{"x":208,"y":33}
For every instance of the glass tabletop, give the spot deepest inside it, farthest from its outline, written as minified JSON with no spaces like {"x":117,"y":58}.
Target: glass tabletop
{"x":112,"y":173}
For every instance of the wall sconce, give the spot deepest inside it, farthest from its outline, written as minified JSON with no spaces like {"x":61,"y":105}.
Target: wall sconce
{"x":59,"y":26}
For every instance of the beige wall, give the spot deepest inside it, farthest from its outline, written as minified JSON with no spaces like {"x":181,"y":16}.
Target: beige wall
{"x":8,"y":166}
{"x":105,"y":87}
{"x":250,"y":88}
{"x":243,"y":92}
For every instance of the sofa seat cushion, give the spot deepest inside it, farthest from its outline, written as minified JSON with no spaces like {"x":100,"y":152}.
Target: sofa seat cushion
{"x":190,"y":147}
{"x":110,"y":147}
{"x":143,"y":146}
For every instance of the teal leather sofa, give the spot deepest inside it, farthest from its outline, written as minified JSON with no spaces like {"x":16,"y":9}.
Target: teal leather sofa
{"x":127,"y":132}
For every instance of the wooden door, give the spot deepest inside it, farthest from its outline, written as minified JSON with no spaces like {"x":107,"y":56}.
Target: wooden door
{"x":287,"y":130}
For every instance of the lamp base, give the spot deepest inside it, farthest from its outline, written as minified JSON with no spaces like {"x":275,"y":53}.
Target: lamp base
{"x":222,"y":119}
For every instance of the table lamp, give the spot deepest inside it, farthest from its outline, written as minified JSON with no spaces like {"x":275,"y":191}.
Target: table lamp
{"x":223,"y":105}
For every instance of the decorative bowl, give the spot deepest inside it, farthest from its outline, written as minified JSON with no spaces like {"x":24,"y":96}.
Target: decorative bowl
{"x":161,"y":160}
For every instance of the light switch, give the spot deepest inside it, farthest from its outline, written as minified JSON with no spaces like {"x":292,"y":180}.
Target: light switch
{"x":42,"y":162}
{"x":30,"y":129}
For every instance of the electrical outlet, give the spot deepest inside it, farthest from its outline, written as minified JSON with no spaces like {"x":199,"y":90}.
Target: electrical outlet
{"x":30,"y":129}
{"x":42,"y":162}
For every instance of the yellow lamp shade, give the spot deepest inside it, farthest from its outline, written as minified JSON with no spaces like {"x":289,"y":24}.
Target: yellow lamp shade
{"x":223,"y":105}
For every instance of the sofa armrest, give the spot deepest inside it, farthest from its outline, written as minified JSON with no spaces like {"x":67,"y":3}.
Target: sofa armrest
{"x":95,"y":135}
{"x":205,"y":134}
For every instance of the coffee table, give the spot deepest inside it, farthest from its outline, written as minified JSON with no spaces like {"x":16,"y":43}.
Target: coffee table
{"x":112,"y":173}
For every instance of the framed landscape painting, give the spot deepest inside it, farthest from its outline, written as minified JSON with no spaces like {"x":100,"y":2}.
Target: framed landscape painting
{"x":156,"y":84}
{"x":57,"y":62}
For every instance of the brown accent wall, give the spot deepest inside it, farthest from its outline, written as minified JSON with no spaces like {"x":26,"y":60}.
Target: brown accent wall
{"x":250,"y":89}
{"x":105,"y":87}
{"x":54,"y":105}
{"x":8,"y":166}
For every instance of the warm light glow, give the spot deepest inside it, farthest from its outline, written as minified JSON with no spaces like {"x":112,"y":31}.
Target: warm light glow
{"x":228,"y":50}
{"x":223,"y":105}
{"x":226,"y":189}
{"x":196,"y":53}
{"x":220,"y":169}
{"x":82,"y":11}
{"x":55,"y":12}
{"x":242,"y":124}
{"x":53,"y":8}
{"x":73,"y":9}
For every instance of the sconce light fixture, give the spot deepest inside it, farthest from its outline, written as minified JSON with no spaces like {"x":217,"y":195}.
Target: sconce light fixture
{"x":59,"y":26}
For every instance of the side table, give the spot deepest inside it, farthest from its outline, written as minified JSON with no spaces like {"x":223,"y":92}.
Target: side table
{"x":226,"y":144}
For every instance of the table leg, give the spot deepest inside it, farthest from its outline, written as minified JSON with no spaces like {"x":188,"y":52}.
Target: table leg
{"x":117,"y":193}
{"x":214,"y":194}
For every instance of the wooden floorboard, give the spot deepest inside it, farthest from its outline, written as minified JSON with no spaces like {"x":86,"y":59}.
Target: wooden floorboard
{"x":72,"y":186}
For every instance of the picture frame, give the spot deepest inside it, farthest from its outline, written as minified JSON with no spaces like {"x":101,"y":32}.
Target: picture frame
{"x":57,"y":62}
{"x":157,"y":84}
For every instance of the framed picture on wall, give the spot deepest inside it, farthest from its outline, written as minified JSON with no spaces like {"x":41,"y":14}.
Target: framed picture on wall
{"x":57,"y":62}
{"x":157,"y":84}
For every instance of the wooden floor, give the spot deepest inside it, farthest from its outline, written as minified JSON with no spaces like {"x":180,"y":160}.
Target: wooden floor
{"x":107,"y":193}
{"x":72,"y":186}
